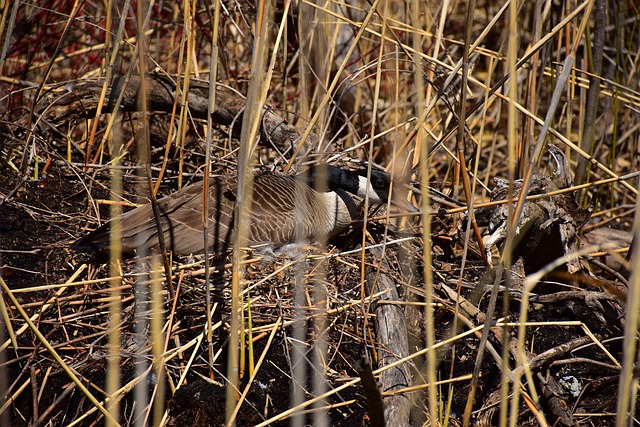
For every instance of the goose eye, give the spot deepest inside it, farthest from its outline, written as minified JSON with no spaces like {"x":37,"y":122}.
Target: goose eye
{"x":378,"y":182}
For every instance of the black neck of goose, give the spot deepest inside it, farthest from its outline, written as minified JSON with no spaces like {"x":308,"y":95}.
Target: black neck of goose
{"x":331,"y":178}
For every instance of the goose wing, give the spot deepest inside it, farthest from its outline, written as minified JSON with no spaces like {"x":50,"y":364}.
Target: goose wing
{"x":181,"y":217}
{"x":283,"y":210}
{"x":180,"y":221}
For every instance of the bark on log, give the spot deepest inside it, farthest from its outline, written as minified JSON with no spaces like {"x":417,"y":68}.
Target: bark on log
{"x":392,"y":335}
{"x":80,"y":100}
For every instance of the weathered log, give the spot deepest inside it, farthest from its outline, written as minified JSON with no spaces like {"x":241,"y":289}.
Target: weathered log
{"x":391,"y":331}
{"x":548,"y":227}
{"x":80,"y":100}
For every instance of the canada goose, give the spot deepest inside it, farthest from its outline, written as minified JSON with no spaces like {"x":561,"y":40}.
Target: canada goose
{"x":283,"y":205}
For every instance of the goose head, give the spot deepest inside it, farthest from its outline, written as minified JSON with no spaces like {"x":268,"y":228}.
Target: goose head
{"x":331,"y":178}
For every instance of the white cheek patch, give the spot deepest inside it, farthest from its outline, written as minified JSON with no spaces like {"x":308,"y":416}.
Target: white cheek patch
{"x":365,"y":187}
